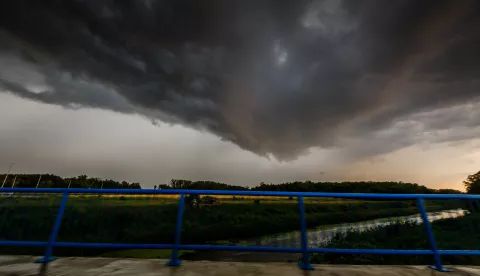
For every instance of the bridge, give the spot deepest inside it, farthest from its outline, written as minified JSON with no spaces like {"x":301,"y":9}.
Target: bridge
{"x":304,"y":248}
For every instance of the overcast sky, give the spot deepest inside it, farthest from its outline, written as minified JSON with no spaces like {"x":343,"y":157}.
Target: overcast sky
{"x":242,"y":93}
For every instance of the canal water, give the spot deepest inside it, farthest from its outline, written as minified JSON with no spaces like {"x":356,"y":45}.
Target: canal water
{"x":324,"y":234}
{"x":316,"y":237}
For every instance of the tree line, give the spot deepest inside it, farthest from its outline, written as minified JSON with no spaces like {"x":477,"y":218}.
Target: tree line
{"x":353,"y":187}
{"x":309,"y":186}
{"x":202,"y":185}
{"x":55,"y":181}
{"x":472,"y":185}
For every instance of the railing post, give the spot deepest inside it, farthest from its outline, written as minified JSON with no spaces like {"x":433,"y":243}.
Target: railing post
{"x":305,"y":261}
{"x":174,"y":261}
{"x":431,"y":238}
{"x":53,"y":235}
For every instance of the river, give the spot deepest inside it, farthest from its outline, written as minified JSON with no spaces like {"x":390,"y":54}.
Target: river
{"x":317,"y":237}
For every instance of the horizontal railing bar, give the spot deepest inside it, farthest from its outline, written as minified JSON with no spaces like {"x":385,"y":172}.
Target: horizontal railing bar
{"x":240,"y":248}
{"x":23,"y":243}
{"x":459,"y":252}
{"x":371,"y":251}
{"x":181,"y":247}
{"x":236,"y":193}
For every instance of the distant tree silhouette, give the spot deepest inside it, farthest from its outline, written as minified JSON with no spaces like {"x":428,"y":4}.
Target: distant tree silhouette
{"x":54,"y":181}
{"x":472,"y":183}
{"x":203,"y":185}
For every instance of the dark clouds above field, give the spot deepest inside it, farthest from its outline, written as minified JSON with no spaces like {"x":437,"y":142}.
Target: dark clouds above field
{"x":274,"y":77}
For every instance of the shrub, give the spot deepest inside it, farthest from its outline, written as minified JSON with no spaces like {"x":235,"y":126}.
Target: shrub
{"x":209,"y":200}
{"x":192,"y":200}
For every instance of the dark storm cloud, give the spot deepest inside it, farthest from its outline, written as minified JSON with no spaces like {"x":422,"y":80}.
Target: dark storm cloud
{"x":273,"y":77}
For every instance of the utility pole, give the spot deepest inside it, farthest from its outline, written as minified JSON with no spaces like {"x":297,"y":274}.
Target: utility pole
{"x":15,"y":179}
{"x":13,"y":184}
{"x":38,"y":183}
{"x":5,"y":179}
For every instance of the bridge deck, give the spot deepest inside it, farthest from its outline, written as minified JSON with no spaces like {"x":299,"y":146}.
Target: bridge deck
{"x":23,"y":265}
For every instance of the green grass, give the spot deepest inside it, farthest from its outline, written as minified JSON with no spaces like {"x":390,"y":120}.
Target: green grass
{"x":452,"y":234}
{"x":134,"y":220}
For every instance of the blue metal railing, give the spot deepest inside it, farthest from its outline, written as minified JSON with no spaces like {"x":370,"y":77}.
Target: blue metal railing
{"x":303,"y":249}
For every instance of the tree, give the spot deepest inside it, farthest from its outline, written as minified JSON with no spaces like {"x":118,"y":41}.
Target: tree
{"x":472,"y":183}
{"x":135,"y":185}
{"x":155,"y":187}
{"x":83,"y":180}
{"x":48,"y":184}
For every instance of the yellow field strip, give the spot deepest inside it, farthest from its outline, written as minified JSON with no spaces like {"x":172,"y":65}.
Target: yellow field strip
{"x":223,"y":198}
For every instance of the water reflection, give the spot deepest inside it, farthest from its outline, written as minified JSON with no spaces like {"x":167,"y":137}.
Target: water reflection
{"x":323,"y":235}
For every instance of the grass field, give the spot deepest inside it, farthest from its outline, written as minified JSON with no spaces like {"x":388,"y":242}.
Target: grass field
{"x":152,"y":219}
{"x":116,"y":199}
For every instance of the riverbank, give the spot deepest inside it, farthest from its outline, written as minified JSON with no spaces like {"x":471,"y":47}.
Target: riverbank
{"x":318,"y":237}
{"x":461,"y":233}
